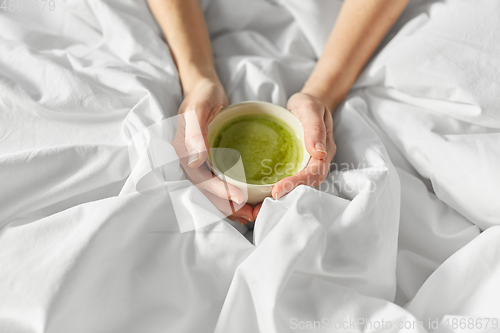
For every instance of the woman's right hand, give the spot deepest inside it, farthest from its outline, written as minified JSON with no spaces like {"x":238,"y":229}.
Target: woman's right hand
{"x":186,"y":33}
{"x":202,"y":102}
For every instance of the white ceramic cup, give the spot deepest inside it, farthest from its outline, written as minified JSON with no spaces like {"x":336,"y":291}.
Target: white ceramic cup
{"x":253,"y":193}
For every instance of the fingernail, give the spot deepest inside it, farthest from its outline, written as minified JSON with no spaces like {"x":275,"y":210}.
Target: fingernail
{"x":246,"y":218}
{"x":232,"y":198}
{"x":194,"y":156}
{"x":279,"y":194}
{"x":320,"y":147}
{"x":242,"y":223}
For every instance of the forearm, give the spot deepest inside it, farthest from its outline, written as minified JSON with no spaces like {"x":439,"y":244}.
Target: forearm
{"x":183,"y":26}
{"x":360,"y":27}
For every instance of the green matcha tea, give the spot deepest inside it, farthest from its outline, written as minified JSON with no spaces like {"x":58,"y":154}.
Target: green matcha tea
{"x":269,"y":149}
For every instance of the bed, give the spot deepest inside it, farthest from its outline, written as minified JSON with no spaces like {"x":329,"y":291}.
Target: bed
{"x":402,"y":236}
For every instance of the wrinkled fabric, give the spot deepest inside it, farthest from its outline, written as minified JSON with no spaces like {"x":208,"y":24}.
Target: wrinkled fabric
{"x":403,"y":234}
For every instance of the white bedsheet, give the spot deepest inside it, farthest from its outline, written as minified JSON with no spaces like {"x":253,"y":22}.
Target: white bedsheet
{"x":392,"y":238}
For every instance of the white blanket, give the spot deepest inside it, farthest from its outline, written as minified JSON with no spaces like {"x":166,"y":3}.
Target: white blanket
{"x":391,"y":240}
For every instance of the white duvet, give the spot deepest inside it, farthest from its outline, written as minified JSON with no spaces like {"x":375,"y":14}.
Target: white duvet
{"x":403,"y":235}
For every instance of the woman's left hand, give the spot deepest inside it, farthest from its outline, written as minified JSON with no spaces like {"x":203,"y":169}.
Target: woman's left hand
{"x":317,"y":121}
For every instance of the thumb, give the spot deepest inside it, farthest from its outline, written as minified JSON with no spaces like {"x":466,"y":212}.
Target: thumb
{"x":195,"y":139}
{"x":314,"y":132}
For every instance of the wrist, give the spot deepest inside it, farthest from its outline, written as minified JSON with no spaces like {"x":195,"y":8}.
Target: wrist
{"x":329,"y":85}
{"x":192,"y":75}
{"x":327,"y":94}
{"x":317,"y":92}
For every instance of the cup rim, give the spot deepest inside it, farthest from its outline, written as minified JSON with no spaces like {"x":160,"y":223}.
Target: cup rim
{"x":238,"y":183}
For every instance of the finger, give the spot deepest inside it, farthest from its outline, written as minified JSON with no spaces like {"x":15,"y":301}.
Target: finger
{"x":330,"y":143}
{"x":256,"y":211}
{"x":204,"y":179}
{"x":239,"y":220}
{"x":195,"y":137}
{"x":313,"y":175}
{"x":311,"y":116}
{"x":229,"y":208}
{"x":244,"y":211}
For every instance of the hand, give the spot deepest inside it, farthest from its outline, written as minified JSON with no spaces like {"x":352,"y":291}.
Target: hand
{"x":316,"y":119}
{"x":206,"y":98}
